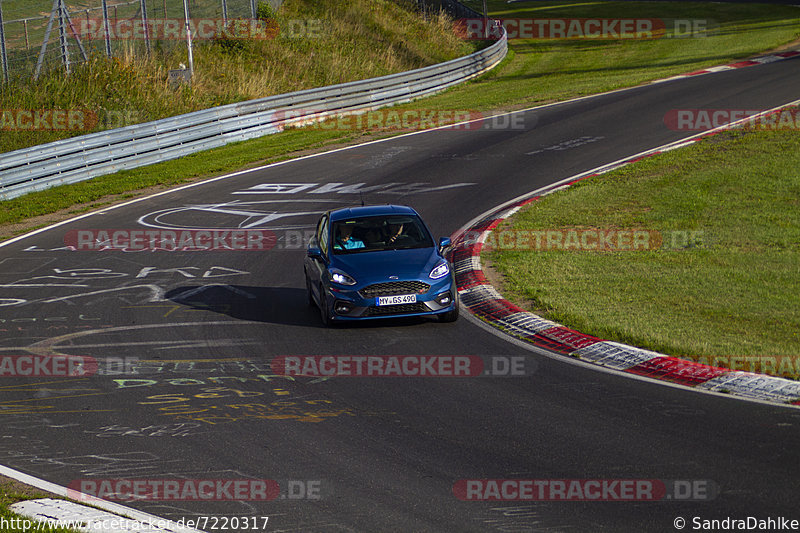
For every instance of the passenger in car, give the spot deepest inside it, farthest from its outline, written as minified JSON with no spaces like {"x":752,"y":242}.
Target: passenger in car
{"x":396,"y":234}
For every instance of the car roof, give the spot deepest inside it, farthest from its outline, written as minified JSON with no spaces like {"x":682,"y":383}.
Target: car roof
{"x":371,"y":210}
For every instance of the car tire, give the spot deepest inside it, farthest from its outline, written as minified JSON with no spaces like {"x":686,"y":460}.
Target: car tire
{"x":309,"y":293}
{"x":323,"y":308}
{"x":450,"y":316}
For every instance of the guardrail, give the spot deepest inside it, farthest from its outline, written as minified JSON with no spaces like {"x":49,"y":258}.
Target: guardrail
{"x":96,"y":154}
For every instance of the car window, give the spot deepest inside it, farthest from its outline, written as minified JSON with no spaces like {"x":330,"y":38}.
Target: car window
{"x":322,"y":235}
{"x":377,"y":233}
{"x":315,"y":238}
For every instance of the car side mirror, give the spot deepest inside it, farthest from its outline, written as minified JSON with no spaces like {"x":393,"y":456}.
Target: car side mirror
{"x":444,"y":242}
{"x":314,"y":252}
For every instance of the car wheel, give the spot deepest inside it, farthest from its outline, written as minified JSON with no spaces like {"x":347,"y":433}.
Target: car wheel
{"x":323,"y":307}
{"x":309,"y":293}
{"x":450,"y":316}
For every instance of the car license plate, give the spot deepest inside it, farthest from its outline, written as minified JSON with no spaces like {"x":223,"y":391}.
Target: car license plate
{"x":397,"y":300}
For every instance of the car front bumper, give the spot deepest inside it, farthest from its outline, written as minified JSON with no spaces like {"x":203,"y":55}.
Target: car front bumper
{"x":347,"y":303}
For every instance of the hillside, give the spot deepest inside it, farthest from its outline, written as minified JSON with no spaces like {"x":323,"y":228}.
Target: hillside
{"x":315,"y":43}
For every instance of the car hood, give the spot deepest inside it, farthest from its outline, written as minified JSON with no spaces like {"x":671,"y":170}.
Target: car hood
{"x":378,"y":266}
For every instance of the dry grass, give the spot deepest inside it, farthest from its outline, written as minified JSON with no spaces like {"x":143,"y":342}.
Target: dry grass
{"x":331,"y":42}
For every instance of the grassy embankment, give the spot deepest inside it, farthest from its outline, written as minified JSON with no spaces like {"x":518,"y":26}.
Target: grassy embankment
{"x":723,"y":289}
{"x":322,"y":43}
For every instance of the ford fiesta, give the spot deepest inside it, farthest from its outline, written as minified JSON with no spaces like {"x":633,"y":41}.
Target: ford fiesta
{"x":376,"y":262}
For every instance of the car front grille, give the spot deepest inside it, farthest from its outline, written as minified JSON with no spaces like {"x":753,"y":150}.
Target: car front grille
{"x":401,"y":309}
{"x":392,"y":288}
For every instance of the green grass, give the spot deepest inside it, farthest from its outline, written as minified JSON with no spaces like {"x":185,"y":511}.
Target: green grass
{"x":10,"y":495}
{"x":549,"y":70}
{"x":736,"y":291}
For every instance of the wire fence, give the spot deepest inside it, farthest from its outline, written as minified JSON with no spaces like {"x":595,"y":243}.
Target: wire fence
{"x":37,"y":36}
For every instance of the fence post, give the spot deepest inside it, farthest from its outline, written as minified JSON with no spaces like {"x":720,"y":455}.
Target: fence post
{"x":40,"y":60}
{"x":106,"y":29}
{"x":253,"y":9}
{"x":188,"y":36}
{"x":62,"y":35}
{"x":143,"y":4}
{"x":75,"y":34}
{"x":3,"y":45}
{"x":485,"y":21}
{"x":225,"y":12}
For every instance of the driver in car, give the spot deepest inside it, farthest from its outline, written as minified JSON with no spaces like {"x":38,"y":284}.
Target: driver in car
{"x":346,"y":240}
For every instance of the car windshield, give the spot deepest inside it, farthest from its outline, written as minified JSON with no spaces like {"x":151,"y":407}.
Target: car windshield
{"x":377,"y":233}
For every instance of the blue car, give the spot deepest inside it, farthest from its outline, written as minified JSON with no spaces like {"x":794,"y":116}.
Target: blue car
{"x":378,"y":261}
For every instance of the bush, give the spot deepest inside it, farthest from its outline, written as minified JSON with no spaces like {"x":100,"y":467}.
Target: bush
{"x":264,"y":11}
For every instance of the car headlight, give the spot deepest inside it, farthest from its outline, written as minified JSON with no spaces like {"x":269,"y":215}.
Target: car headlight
{"x":441,"y":270}
{"x":342,"y":278}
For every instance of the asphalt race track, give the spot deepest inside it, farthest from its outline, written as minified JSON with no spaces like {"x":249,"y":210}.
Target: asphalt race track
{"x":185,"y":341}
